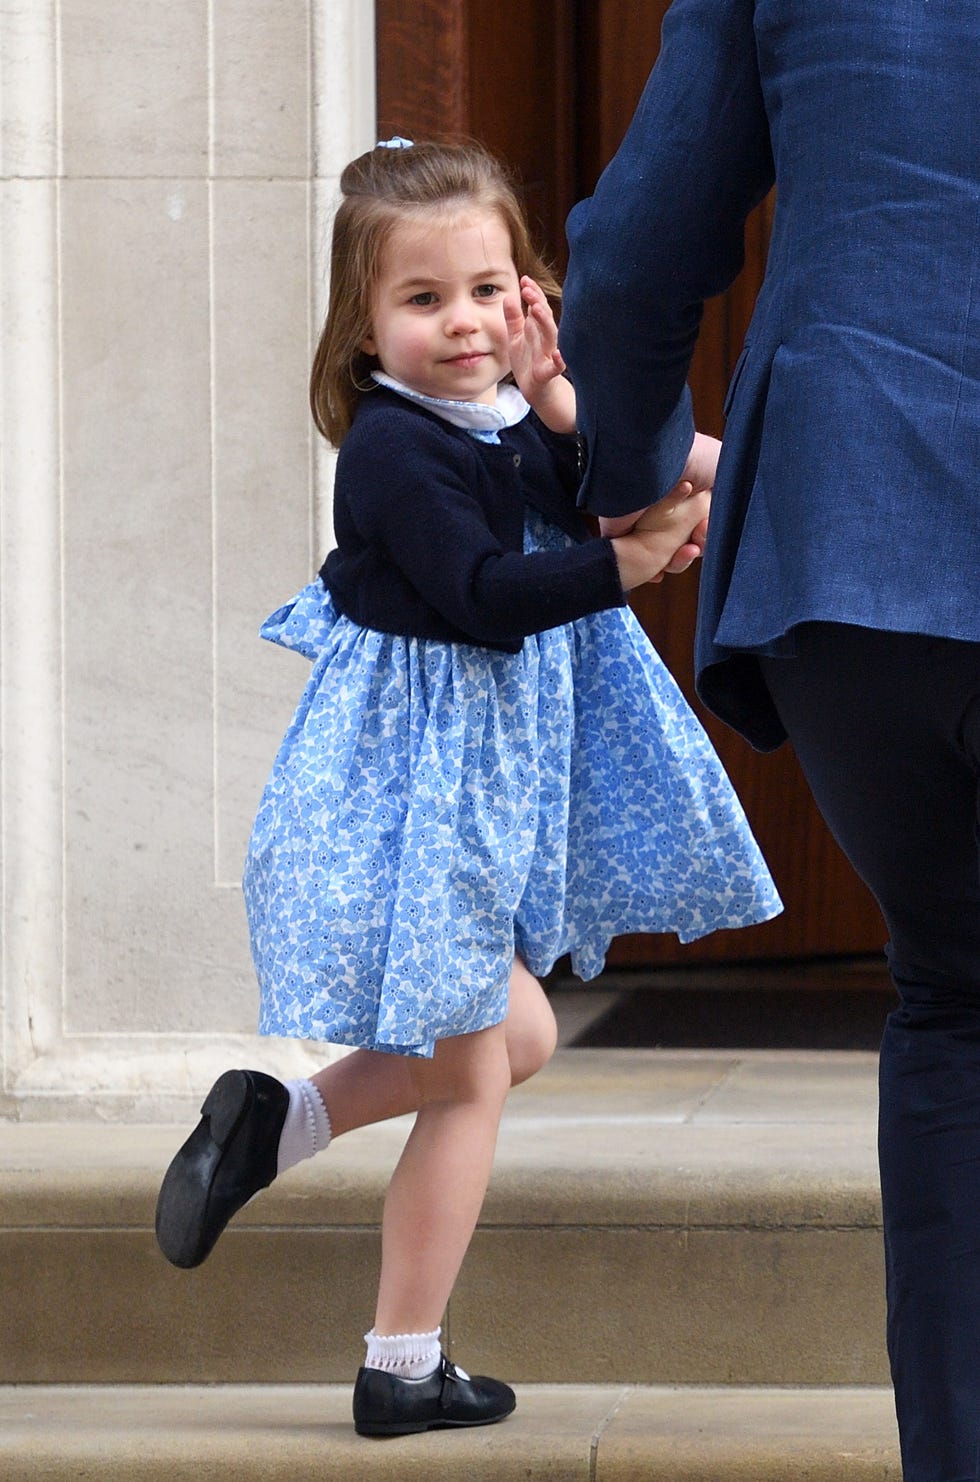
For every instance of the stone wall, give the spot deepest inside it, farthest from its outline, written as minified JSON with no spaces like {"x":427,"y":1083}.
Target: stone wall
{"x":167,"y":171}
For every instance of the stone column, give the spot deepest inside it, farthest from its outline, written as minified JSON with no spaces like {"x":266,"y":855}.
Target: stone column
{"x":167,"y":173}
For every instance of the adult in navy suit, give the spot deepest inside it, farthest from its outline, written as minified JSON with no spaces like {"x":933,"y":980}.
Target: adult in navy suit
{"x":840,"y":591}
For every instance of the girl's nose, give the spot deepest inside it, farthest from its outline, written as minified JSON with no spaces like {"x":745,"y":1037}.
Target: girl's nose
{"x":461,"y":318}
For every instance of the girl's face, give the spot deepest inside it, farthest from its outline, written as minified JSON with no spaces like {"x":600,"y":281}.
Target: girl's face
{"x":437,"y":316}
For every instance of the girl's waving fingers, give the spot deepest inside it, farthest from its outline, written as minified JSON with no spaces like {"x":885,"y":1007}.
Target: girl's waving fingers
{"x":540,"y":316}
{"x":535,"y":360}
{"x":542,"y":344}
{"x":533,"y":294}
{"x":533,"y":334}
{"x":514,"y":318}
{"x":533,"y":346}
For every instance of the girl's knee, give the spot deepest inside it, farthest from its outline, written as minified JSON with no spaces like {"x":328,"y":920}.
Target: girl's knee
{"x":531,"y":1041}
{"x":467,"y":1068}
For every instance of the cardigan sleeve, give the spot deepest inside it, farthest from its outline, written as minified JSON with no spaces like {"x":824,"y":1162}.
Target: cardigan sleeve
{"x":417,"y":498}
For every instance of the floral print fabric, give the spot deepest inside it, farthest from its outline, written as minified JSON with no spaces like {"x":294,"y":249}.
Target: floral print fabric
{"x":436,"y":807}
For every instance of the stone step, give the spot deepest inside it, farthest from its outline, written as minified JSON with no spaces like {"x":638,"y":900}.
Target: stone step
{"x":567,"y":1433}
{"x":654,"y":1218}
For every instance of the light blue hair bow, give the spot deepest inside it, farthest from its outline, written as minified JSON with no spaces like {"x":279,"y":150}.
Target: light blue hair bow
{"x":396,"y":142}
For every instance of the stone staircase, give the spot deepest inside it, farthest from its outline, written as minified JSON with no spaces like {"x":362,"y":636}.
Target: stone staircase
{"x":678,"y":1266}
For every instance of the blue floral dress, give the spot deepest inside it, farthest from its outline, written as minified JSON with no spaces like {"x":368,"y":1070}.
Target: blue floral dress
{"x":435,"y":807}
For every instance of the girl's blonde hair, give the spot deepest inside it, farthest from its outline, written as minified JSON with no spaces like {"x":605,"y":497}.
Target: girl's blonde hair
{"x":379,"y":190}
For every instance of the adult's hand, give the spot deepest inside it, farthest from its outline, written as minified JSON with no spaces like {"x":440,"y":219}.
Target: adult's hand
{"x":699,"y":471}
{"x":699,"y":475}
{"x":702,"y":462}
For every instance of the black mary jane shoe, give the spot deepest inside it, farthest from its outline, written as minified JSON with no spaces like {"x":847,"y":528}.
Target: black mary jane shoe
{"x":385,"y":1405}
{"x":230,"y":1155}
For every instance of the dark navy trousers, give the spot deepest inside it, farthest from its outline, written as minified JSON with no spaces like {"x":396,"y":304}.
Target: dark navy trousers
{"x":887,"y":730}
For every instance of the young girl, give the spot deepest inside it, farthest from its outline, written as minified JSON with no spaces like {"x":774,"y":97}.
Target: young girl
{"x":489,"y":766}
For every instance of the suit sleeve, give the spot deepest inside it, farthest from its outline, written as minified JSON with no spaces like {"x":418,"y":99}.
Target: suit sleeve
{"x":663,"y":232}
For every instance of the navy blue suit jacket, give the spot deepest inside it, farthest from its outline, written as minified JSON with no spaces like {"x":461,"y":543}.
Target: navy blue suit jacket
{"x":849,"y":482}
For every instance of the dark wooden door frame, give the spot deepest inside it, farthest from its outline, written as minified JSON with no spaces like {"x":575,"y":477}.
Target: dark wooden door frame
{"x":551,"y":86}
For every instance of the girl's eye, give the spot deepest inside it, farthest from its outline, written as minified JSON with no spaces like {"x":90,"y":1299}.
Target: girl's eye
{"x":486,"y":290}
{"x":423,"y":300}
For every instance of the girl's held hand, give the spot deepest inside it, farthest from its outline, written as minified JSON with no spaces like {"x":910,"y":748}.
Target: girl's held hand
{"x":667,"y":537}
{"x":689,"y":498}
{"x":687,"y":554}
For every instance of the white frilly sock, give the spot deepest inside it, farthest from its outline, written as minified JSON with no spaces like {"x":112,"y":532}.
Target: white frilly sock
{"x":306,"y":1129}
{"x":406,"y":1355}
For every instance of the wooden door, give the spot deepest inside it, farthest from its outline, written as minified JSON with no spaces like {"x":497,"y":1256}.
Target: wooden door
{"x":551,"y":85}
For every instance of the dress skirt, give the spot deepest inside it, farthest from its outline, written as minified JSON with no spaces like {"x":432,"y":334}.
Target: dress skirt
{"x":436,"y":807}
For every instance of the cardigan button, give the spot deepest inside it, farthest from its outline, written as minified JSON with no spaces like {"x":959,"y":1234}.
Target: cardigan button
{"x":517,"y":460}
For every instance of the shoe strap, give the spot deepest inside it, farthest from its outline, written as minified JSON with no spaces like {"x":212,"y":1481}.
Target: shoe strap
{"x":449,"y":1378}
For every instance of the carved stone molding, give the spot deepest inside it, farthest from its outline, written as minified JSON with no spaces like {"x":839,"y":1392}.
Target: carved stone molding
{"x":162,"y":276}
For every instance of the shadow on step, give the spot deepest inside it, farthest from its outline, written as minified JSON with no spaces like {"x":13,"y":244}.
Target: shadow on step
{"x":828,"y":1004}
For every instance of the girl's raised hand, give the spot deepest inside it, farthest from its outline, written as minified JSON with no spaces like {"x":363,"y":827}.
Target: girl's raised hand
{"x":535,"y":359}
{"x":534,"y":355}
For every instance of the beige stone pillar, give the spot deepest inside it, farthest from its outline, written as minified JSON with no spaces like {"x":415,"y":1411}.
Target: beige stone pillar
{"x":166,"y":172}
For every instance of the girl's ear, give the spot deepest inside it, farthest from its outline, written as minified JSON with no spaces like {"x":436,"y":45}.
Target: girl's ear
{"x":368,"y":346}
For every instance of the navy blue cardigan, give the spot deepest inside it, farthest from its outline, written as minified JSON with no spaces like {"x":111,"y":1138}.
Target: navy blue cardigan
{"x":429,"y":523}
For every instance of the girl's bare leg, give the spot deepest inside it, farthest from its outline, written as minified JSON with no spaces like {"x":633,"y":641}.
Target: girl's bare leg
{"x":365,"y":1087}
{"x":438,"y":1186}
{"x":530,"y":1028}
{"x":368,"y":1086}
{"x":287,"y":1125}
{"x":437,"y":1190}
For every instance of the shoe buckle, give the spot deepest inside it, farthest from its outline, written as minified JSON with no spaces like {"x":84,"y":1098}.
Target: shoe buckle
{"x":448,"y":1380}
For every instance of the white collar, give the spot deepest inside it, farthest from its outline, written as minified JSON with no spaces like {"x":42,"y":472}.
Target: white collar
{"x":475,"y":416}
